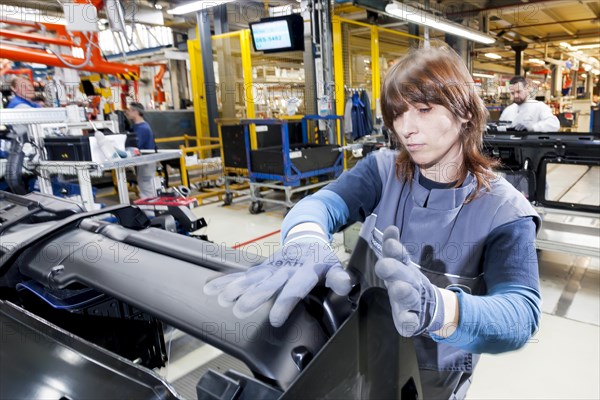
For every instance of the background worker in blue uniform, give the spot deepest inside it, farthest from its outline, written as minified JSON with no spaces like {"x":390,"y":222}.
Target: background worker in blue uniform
{"x":525,"y":113}
{"x":24,"y":94}
{"x":145,"y":141}
{"x":451,"y":242}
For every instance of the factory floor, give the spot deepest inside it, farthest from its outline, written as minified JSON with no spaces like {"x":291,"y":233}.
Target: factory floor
{"x":562,"y":361}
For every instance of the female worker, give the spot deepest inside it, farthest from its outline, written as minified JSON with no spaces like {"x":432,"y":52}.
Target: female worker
{"x":452,"y":242}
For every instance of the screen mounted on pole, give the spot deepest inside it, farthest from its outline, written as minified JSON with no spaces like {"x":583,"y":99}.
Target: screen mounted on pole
{"x":278,"y":34}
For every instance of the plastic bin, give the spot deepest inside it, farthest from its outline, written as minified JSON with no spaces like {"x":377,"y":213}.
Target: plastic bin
{"x":305,"y":157}
{"x":68,"y":148}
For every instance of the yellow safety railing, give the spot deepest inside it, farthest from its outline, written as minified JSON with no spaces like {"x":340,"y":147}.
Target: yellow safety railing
{"x":199,"y":150}
{"x":186,"y":139}
{"x":209,"y":171}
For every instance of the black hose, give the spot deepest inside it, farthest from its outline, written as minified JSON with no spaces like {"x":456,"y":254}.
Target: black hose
{"x":14,"y":168}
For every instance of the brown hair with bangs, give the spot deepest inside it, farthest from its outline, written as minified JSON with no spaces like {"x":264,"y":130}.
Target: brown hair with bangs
{"x":437,"y":75}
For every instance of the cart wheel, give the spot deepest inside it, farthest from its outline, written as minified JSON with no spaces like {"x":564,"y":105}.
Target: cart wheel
{"x":228,"y":199}
{"x":256,"y":207}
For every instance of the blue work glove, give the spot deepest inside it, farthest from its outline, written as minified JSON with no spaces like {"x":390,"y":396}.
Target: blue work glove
{"x":417,"y":305}
{"x":295,"y":269}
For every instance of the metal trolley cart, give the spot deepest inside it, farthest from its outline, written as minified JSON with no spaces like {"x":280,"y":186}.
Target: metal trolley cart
{"x":291,"y":166}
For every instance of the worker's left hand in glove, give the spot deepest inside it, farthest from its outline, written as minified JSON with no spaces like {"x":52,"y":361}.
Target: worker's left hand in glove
{"x":295,"y":269}
{"x":417,"y":305}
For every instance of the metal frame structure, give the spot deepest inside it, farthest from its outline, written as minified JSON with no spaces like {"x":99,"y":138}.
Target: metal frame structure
{"x":84,"y":170}
{"x":38,"y":119}
{"x":63,"y":38}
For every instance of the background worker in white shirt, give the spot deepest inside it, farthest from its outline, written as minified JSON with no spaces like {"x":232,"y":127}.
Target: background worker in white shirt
{"x":526,"y":113}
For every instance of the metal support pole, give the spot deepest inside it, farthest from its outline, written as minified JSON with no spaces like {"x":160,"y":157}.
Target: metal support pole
{"x":589,"y":85}
{"x":555,"y":80}
{"x":413,"y":29}
{"x":574,"y":80}
{"x":310,"y":87}
{"x":121,"y":175}
{"x":205,"y":37}
{"x":174,"y":79}
{"x":518,"y":48}
{"x":462,"y":46}
{"x":221,"y":21}
{"x":327,"y":64}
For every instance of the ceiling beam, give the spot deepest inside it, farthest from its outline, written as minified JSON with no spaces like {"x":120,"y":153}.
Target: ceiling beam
{"x":589,"y":34}
{"x":541,"y":24}
{"x":594,"y":8}
{"x":578,"y":35}
{"x":556,"y":19}
{"x":472,"y":12}
{"x":492,"y":67}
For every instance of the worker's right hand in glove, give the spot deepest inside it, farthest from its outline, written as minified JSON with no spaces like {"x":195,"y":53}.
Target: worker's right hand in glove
{"x":525,"y":125}
{"x":305,"y":259}
{"x":417,"y":305}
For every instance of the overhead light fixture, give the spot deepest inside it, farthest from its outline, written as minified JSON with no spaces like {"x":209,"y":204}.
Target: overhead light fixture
{"x":536,"y":61}
{"x":493,"y":56}
{"x":425,"y":18}
{"x":196,"y":6}
{"x":586,"y":46}
{"x":483,"y":75}
{"x":565,"y":45}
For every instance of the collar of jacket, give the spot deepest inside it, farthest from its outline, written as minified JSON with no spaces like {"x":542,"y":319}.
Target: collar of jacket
{"x":442,"y":199}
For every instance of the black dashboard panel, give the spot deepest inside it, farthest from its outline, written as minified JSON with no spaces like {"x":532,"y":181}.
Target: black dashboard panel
{"x":100,"y":291}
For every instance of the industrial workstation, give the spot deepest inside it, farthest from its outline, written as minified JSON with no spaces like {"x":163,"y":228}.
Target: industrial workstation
{"x":299,"y":199}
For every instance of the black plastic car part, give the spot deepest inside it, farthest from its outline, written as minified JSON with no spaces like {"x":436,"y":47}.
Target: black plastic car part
{"x":39,"y":360}
{"x":330,"y":347}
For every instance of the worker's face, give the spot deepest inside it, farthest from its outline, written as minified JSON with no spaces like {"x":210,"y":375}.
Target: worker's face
{"x":519,"y":92}
{"x":430,"y":134}
{"x":24,"y":89}
{"x":130,"y":113}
